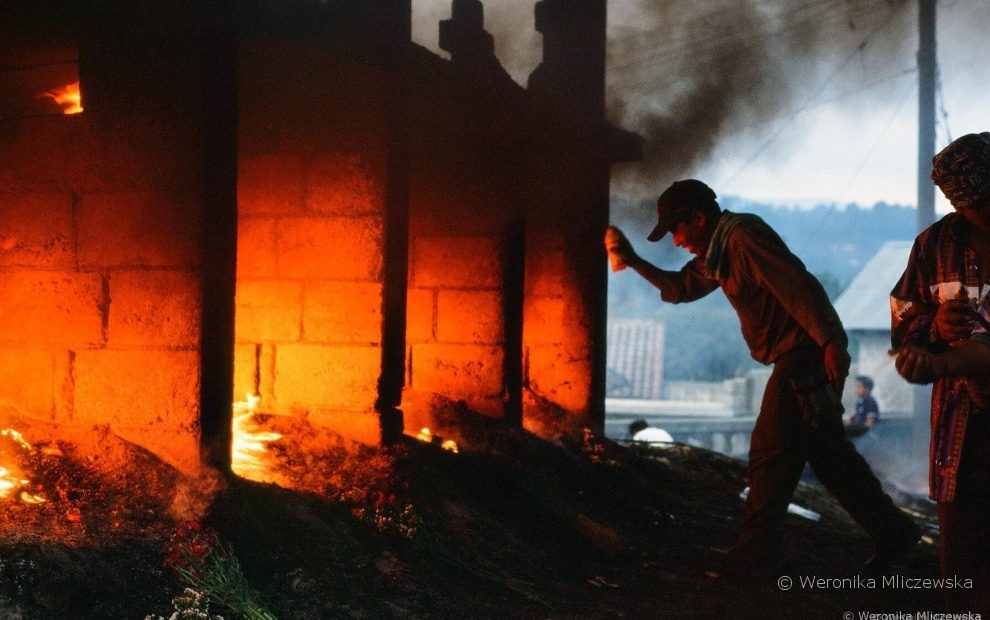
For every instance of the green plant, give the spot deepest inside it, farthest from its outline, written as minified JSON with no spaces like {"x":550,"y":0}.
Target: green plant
{"x":200,"y":560}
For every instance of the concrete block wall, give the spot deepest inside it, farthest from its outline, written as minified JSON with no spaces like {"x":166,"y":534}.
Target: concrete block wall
{"x":455,"y":319}
{"x":557,"y":340}
{"x":555,"y":348}
{"x":99,"y":268}
{"x":467,"y":183}
{"x":311,"y":200}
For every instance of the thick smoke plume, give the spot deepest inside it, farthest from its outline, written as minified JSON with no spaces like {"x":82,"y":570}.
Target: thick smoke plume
{"x":725,"y":78}
{"x":720,"y":77}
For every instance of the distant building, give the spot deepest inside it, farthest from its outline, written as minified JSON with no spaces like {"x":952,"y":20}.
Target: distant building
{"x":634,"y":359}
{"x":864,"y":308}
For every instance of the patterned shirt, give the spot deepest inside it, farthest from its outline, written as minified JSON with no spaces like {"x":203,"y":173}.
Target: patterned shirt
{"x":943,"y":266}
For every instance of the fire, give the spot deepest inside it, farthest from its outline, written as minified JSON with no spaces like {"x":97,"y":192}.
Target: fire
{"x":250,"y":457}
{"x":12,"y":479}
{"x":68,"y":97}
{"x":426,"y":435}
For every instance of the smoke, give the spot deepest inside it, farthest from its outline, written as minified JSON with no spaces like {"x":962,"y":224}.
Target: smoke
{"x":191,"y":497}
{"x":727,"y":78}
{"x":723,"y":78}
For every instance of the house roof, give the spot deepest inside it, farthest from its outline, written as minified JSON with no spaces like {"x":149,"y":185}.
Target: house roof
{"x":634,"y":358}
{"x":865,"y":304}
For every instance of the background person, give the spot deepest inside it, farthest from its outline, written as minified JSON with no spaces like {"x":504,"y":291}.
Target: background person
{"x":866,"y":413}
{"x":640,"y":430}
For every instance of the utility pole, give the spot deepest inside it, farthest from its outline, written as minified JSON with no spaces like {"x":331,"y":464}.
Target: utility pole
{"x":926,"y":111}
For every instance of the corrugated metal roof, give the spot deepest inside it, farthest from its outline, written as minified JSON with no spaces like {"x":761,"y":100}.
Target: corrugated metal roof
{"x":865,"y":304}
{"x":634,"y":358}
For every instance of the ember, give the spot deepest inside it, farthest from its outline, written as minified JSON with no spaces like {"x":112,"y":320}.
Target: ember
{"x":68,"y":97}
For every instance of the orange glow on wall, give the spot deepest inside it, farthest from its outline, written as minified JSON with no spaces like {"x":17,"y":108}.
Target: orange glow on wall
{"x":68,"y":97}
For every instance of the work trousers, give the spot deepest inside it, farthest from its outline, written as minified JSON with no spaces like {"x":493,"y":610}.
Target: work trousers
{"x":782,"y":443}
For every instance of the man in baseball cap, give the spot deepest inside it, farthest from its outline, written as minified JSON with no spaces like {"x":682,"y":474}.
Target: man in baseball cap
{"x":787,"y":321}
{"x":677,"y":202}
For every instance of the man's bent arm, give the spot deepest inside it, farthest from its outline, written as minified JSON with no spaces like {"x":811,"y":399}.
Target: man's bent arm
{"x":688,"y":284}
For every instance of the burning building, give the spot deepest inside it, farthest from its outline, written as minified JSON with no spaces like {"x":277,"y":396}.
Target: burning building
{"x":292,"y":200}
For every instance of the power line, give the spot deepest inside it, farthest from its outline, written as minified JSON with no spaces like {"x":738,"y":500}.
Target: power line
{"x":876,"y":143}
{"x":823,"y":14}
{"x":821,"y":87}
{"x":686,"y":44}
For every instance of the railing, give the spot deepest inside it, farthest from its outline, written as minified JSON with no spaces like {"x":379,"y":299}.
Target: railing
{"x":715,"y":427}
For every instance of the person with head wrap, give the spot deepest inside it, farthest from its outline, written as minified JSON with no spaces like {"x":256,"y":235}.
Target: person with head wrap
{"x":940,"y":315}
{"x":788,"y":321}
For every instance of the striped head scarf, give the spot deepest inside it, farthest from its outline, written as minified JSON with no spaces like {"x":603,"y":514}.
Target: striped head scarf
{"x":962,"y":171}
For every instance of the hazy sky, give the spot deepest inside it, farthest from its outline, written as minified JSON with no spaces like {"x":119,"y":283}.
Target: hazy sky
{"x":791,"y":101}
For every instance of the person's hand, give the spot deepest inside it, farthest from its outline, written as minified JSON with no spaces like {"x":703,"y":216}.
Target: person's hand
{"x":620,"y":251}
{"x":836,"y":362}
{"x":954,"y":321}
{"x":917,"y":365}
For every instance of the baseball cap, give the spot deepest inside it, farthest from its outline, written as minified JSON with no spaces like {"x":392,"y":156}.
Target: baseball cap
{"x":677,"y":202}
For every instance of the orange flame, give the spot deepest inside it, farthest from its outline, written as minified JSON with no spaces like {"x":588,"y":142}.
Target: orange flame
{"x":12,"y":479}
{"x":249,"y":455}
{"x":68,"y":97}
{"x":427,"y":436}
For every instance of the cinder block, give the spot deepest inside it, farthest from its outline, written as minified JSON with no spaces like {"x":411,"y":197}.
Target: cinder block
{"x":420,"y":311}
{"x":46,"y":149}
{"x":51,"y":308}
{"x":36,"y":230}
{"x":246,"y":377}
{"x":154,"y":308}
{"x":561,"y":376}
{"x":266,"y":375}
{"x":360,"y":426}
{"x":474,"y":317}
{"x":179,"y":447}
{"x":152,"y":229}
{"x":545,"y":272}
{"x":65,"y":384}
{"x":348,"y":312}
{"x":543,"y":320}
{"x":346,"y":184}
{"x":458,"y":371}
{"x":326,"y":377}
{"x":27,"y":383}
{"x":255,"y":247}
{"x":268,"y":311}
{"x":465,"y":262}
{"x":270,"y":184}
{"x":156,"y":391}
{"x":340,"y":248}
